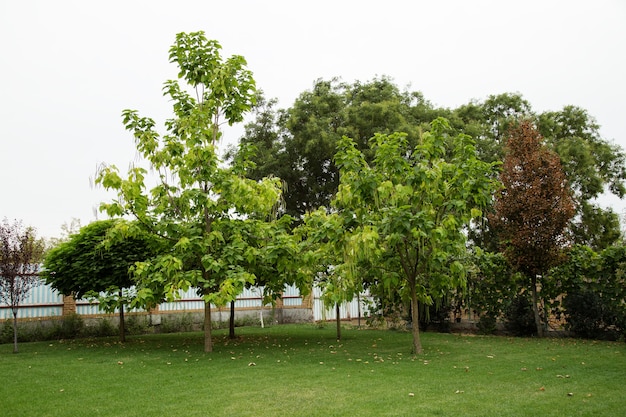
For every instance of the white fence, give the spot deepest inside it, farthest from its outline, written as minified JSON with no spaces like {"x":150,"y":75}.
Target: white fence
{"x":44,"y":302}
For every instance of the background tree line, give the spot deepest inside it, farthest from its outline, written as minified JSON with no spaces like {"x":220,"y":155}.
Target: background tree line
{"x":356,"y":186}
{"x":298,"y":144}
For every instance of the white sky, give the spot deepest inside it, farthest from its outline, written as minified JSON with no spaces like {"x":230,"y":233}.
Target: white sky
{"x":69,"y":68}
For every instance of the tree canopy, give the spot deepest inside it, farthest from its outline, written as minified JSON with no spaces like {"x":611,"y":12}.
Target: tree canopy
{"x":297,"y":144}
{"x":92,"y":262}
{"x":20,"y":254}
{"x":534,"y":207}
{"x":303,"y":138}
{"x":213,"y":217}
{"x":406,"y":211}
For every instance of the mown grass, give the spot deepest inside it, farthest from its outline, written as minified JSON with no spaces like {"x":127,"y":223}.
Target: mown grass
{"x":301,"y":370}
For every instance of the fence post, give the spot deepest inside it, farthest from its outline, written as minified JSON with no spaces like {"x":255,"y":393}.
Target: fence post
{"x":307,"y":302}
{"x":69,"y":304}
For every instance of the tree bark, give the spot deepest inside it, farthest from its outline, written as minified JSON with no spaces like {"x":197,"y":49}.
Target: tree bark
{"x":415,"y":324}
{"x":15,"y":350}
{"x":231,"y":324}
{"x":122,"y":326}
{"x":535,"y":297}
{"x":208,"y":341}
{"x":338,"y":317}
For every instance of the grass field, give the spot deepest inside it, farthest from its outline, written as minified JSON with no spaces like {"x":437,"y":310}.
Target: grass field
{"x":301,"y":370}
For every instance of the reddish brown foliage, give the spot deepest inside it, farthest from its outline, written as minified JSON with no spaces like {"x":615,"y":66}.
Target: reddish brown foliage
{"x":533,"y":209}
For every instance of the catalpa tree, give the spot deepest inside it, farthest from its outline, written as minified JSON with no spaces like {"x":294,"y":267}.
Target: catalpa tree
{"x":213,"y":217}
{"x":88,"y":264}
{"x":406,"y":213}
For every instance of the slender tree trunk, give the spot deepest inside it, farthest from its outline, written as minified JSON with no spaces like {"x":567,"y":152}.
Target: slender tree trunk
{"x":535,"y":297}
{"x":358,"y":301}
{"x":15,"y":330}
{"x":338,"y":317}
{"x":122,"y":326}
{"x":231,"y":324}
{"x":415,"y":324}
{"x":208,"y":341}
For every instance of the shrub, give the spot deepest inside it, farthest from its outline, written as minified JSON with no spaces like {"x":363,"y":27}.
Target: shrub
{"x":177,"y":323}
{"x":436,"y":315}
{"x":136,"y":325}
{"x":519,"y":318}
{"x":589,"y":317}
{"x":6,"y":334}
{"x":69,"y":327}
{"x":487,"y":324}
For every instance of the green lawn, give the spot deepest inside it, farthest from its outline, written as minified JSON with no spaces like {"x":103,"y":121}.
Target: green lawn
{"x":301,"y":370}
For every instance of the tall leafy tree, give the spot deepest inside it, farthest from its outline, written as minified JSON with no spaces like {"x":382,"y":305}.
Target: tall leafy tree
{"x":533,"y":209}
{"x":209,"y":213}
{"x":92,"y":262}
{"x":328,"y":255}
{"x":593,"y":166}
{"x":20,"y":254}
{"x":303,"y":138}
{"x":488,"y":122}
{"x":406,"y":211}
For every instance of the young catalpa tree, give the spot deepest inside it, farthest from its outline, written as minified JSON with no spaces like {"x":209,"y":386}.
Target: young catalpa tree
{"x":533,"y":209}
{"x":20,"y":254}
{"x":406,"y":213}
{"x":326,"y":255}
{"x":211,"y":215}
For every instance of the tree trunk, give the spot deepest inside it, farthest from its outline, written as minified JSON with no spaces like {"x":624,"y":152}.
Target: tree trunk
{"x":338,"y":317}
{"x":208,"y":341}
{"x":231,"y":324}
{"x":358,"y":301}
{"x":15,"y":330}
{"x":415,"y":324}
{"x":122,"y":326}
{"x":535,"y":297}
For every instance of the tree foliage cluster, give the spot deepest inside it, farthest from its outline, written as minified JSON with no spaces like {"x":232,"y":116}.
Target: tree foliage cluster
{"x":593,"y":285}
{"x":355,"y":185}
{"x":573,"y":166}
{"x":298,"y":144}
{"x":218,"y":225}
{"x":94,"y":263}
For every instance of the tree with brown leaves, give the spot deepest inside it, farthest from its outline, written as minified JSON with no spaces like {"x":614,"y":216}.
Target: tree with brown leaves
{"x":533,"y":209}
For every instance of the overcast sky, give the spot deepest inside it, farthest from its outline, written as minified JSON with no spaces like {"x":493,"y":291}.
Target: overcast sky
{"x":69,"y":68}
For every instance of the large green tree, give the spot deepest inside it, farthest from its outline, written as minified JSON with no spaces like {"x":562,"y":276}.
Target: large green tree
{"x":211,"y":215}
{"x":298,"y":144}
{"x":406,"y":211}
{"x":94,"y":263}
{"x":593,"y":165}
{"x":20,"y":254}
{"x":533,"y":209}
